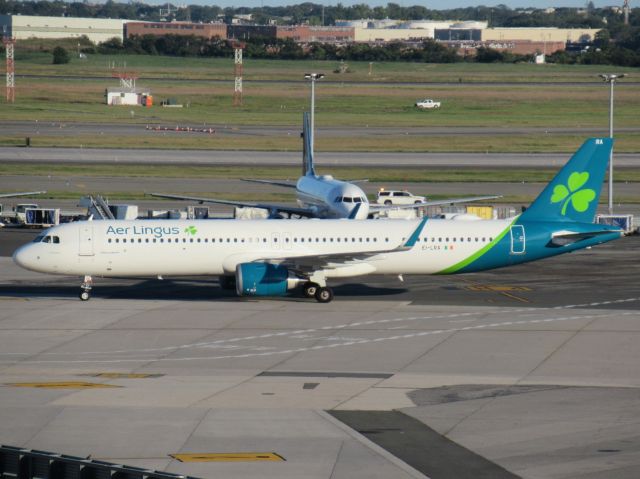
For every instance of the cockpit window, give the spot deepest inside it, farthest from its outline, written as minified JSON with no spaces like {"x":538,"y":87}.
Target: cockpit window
{"x":347,"y":199}
{"x":47,"y":239}
{"x":338,"y":199}
{"x":357,"y":199}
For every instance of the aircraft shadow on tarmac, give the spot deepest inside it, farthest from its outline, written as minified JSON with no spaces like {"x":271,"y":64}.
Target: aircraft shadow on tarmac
{"x":179,"y":290}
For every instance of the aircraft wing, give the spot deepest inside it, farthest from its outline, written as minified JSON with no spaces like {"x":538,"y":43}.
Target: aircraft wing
{"x":273,"y":208}
{"x":26,"y":193}
{"x":373,"y":208}
{"x":309,"y":263}
{"x":285,"y":183}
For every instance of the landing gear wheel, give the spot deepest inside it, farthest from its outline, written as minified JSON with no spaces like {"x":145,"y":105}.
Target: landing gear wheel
{"x":324,"y":295}
{"x":310,"y":289}
{"x":85,"y":288}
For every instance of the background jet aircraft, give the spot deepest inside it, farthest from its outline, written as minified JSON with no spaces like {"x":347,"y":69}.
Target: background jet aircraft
{"x":321,"y":196}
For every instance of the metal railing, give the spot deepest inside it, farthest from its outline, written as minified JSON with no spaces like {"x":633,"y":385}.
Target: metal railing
{"x":19,"y":463}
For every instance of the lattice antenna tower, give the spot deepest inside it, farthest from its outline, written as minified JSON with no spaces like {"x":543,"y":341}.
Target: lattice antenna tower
{"x":237,"y":70}
{"x":127,"y":79}
{"x":9,"y":44}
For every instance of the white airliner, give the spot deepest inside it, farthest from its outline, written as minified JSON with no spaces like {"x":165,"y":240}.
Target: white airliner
{"x":268,"y":258}
{"x":321,"y":196}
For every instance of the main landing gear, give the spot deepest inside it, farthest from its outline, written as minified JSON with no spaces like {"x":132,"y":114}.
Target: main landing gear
{"x":323,"y":294}
{"x":85,"y":288}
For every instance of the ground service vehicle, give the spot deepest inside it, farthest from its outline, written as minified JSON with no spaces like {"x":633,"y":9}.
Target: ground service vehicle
{"x":428,"y":103}
{"x":397,"y":197}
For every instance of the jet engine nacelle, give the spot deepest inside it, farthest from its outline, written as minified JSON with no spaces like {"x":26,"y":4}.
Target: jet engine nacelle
{"x":264,"y":279}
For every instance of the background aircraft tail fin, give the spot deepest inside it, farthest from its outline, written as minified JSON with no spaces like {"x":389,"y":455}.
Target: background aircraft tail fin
{"x":574,"y":192}
{"x":307,"y":153}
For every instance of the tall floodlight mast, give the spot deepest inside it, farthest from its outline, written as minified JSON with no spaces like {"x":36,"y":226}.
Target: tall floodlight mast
{"x":611,"y":79}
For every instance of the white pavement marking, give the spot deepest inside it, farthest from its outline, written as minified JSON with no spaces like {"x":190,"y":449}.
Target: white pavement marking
{"x":302,"y":333}
{"x":333,"y":345}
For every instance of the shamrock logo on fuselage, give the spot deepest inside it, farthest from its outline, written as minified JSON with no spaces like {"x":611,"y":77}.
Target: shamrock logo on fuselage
{"x":579,"y":198}
{"x":191,"y":230}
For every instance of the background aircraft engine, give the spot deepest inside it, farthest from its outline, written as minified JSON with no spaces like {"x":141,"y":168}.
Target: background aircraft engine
{"x":264,"y":279}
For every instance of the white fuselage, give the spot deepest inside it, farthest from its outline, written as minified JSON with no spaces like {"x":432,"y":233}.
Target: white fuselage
{"x":214,"y":247}
{"x":331,"y":198}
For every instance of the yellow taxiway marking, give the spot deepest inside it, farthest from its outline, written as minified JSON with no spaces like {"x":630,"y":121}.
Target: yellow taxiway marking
{"x":513,"y":296}
{"x":497,"y":288}
{"x":63,"y":385}
{"x":123,"y":375}
{"x":228,"y":457}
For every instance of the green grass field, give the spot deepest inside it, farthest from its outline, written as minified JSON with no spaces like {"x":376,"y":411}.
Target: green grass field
{"x":351,"y":99}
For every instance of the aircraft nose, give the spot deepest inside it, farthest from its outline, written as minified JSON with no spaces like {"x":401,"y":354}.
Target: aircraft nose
{"x":23,"y":257}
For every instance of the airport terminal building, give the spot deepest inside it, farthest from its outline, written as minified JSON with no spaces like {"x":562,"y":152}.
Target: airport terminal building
{"x":464,"y":36}
{"x":23,"y":27}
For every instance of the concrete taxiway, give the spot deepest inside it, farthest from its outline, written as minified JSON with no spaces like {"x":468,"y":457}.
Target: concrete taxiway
{"x":529,"y":371}
{"x":250,"y":158}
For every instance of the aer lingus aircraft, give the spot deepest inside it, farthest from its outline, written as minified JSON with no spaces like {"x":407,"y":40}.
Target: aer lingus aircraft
{"x":268,"y":258}
{"x":321,"y":196}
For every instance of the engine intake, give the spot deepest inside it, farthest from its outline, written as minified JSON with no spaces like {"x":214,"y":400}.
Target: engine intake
{"x":264,"y":279}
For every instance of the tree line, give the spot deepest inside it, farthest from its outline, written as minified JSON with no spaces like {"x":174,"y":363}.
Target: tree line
{"x":625,"y":52}
{"x":318,"y":14}
{"x":616,"y":43}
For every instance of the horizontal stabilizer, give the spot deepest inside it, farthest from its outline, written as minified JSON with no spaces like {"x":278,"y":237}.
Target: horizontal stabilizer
{"x":564,"y":238}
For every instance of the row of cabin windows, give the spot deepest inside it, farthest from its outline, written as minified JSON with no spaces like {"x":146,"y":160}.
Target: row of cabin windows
{"x":468,"y":239}
{"x":243,"y":240}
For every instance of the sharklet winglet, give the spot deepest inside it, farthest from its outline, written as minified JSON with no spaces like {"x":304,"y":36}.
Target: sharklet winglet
{"x":415,"y":235}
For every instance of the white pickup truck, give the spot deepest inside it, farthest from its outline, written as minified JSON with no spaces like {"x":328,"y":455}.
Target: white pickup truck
{"x":398,"y":197}
{"x":427,"y":104}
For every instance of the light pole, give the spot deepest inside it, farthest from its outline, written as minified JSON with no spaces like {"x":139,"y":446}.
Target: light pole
{"x":611,"y":79}
{"x":313,"y":77}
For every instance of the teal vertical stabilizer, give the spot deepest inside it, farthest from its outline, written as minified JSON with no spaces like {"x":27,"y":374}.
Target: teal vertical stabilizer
{"x":574,"y":192}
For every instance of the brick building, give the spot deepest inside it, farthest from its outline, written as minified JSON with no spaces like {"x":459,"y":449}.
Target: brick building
{"x":308,"y":34}
{"x":207,"y":30}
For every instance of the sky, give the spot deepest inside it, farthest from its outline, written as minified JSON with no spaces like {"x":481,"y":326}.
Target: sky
{"x":431,"y":4}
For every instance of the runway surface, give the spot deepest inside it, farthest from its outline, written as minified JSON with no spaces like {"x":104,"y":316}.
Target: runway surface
{"x":250,"y":158}
{"x":47,"y":128}
{"x":528,"y":371}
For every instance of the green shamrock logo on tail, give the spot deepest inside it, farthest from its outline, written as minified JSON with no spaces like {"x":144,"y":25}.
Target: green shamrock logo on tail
{"x":579,"y":198}
{"x":191,"y":230}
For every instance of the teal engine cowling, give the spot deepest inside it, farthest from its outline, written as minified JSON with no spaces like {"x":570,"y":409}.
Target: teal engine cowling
{"x":264,"y":279}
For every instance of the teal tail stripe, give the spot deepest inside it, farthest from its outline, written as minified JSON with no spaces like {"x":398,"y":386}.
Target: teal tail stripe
{"x":478,"y":254}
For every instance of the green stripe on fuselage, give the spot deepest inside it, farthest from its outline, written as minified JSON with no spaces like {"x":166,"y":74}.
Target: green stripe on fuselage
{"x":481,"y":252}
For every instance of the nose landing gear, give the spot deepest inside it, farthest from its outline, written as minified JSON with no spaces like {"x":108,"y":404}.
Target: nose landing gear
{"x":85,"y":288}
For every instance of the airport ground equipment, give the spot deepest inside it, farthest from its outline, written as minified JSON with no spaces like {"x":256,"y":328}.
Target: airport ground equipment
{"x":19,"y":463}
